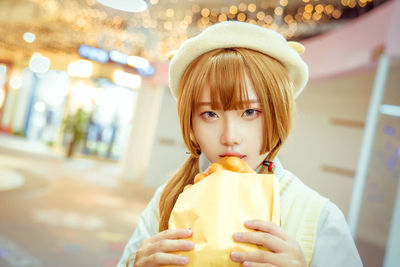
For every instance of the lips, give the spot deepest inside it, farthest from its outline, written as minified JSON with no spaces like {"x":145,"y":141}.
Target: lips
{"x":241,"y":156}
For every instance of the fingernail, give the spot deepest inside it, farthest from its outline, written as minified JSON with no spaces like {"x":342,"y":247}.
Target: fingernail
{"x":235,"y":255}
{"x":188,"y":231}
{"x":184,"y":260}
{"x":248,"y":223}
{"x":246,"y":264}
{"x":237,"y":235}
{"x":189,"y":244}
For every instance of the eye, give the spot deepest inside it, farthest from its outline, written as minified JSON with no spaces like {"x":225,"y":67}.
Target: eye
{"x":209,"y":115}
{"x":251,"y":113}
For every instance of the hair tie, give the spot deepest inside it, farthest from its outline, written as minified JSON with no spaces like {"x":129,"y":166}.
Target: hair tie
{"x":269,"y":164}
{"x":197,"y":151}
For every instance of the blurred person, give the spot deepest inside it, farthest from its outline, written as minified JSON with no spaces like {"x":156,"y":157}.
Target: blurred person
{"x":235,"y":85}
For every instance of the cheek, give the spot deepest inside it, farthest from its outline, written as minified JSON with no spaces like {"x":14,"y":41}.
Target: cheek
{"x":201,"y":132}
{"x":255,"y":135}
{"x":207,"y":137}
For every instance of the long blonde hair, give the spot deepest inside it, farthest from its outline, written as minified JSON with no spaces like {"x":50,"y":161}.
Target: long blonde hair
{"x":225,"y":71}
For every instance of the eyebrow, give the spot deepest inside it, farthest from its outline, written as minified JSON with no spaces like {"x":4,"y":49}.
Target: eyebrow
{"x":209,"y":103}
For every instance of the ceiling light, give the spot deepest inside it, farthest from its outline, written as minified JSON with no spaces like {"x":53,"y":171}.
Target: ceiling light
{"x":15,"y":82}
{"x":29,"y":37}
{"x":390,"y":110}
{"x":138,"y":62}
{"x":80,"y":68}
{"x":126,"y":79}
{"x":39,"y":63}
{"x":3,"y":69}
{"x":125,"y":5}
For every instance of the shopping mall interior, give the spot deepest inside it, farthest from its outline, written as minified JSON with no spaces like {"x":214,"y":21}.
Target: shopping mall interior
{"x":89,"y":129}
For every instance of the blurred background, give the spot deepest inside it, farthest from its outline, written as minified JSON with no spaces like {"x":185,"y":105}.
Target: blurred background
{"x":89,"y":130}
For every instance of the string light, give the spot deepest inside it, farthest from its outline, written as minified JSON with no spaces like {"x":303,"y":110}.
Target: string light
{"x":288,"y":18}
{"x":316,"y":16}
{"x":336,"y":13}
{"x":224,"y":10}
{"x":268,"y":19}
{"x":298,"y":17}
{"x":242,"y":7}
{"x":205,"y":12}
{"x":260,"y":15}
{"x":329,"y":9}
{"x":278,"y":11}
{"x":362,"y":3}
{"x":214,"y":12}
{"x":168,"y":25}
{"x":179,"y":23}
{"x":196,"y":8}
{"x":309,"y":8}
{"x":252,"y":7}
{"x":307,"y":15}
{"x":319,"y":8}
{"x":233,"y":10}
{"x":283,"y":2}
{"x":205,"y":20}
{"x":188,"y":19}
{"x":169,"y":12}
{"x":222,"y":17}
{"x":274,"y":27}
{"x":241,"y":16}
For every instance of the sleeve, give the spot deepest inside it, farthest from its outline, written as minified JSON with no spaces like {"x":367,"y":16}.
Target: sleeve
{"x":334,"y":245}
{"x":147,"y":226}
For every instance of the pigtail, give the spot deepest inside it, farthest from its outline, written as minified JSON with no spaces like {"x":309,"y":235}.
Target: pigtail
{"x":174,"y":187}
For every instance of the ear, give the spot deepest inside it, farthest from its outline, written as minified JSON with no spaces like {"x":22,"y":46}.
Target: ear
{"x":298,"y":47}
{"x":171,"y":54}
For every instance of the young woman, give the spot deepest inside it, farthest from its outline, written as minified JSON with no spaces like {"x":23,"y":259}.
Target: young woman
{"x":235,"y":85}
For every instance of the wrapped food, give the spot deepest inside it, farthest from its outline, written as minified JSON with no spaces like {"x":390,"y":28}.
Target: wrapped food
{"x":217,"y":205}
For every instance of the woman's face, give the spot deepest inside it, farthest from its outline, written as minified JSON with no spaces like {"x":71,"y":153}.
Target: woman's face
{"x":229,"y":133}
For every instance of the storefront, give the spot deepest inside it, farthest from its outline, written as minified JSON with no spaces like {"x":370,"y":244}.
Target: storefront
{"x":78,"y":106}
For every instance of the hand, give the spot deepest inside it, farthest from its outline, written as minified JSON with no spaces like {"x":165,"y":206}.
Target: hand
{"x":284,"y":250}
{"x":154,"y":251}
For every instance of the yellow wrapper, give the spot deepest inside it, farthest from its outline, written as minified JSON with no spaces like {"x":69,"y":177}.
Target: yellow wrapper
{"x":217,"y":206}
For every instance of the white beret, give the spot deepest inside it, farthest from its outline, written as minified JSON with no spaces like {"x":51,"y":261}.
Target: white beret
{"x":240,"y":34}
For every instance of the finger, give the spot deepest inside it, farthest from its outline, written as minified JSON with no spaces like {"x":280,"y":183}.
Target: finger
{"x":171,"y":234}
{"x":266,"y":240}
{"x":265,"y":257}
{"x":163,"y":259}
{"x":268,"y":227}
{"x":168,"y":245}
{"x":256,"y":264}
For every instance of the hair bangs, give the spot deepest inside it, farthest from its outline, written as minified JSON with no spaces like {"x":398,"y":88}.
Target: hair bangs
{"x":226,"y":92}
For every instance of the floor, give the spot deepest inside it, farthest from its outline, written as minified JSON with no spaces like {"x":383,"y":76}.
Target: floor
{"x":62,"y":212}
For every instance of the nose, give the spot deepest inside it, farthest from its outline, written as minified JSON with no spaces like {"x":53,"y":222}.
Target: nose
{"x":230,"y":135}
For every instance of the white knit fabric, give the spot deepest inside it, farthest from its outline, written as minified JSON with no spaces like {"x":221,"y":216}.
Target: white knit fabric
{"x":239,"y":34}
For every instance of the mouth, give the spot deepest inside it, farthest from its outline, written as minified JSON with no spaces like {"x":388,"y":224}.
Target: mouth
{"x":241,"y":156}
